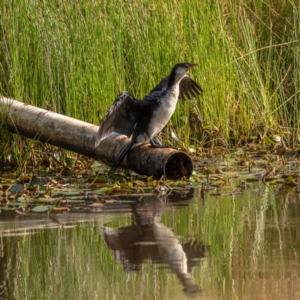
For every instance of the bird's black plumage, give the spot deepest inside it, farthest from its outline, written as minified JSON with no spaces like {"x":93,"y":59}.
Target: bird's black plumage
{"x":143,"y":119}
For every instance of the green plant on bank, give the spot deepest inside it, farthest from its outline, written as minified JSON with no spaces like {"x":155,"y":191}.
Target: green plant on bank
{"x":79,"y":55}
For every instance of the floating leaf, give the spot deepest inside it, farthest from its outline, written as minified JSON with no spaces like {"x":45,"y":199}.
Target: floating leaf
{"x":7,"y":208}
{"x":40,"y":208}
{"x":16,"y":188}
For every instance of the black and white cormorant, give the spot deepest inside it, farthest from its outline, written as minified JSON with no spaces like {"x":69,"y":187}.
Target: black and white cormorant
{"x":144,"y":119}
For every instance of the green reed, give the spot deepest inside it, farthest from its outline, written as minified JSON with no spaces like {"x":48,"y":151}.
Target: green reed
{"x":80,"y":55}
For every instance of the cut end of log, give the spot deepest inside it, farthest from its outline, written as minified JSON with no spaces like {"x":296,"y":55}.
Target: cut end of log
{"x":178,"y":165}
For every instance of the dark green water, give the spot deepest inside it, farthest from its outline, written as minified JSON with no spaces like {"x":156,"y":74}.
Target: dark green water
{"x":240,"y":245}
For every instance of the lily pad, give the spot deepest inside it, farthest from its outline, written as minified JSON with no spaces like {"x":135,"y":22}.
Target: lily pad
{"x":41,"y":208}
{"x":16,"y":188}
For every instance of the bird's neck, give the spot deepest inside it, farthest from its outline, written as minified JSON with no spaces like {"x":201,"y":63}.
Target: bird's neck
{"x":173,"y":81}
{"x":173,"y":87}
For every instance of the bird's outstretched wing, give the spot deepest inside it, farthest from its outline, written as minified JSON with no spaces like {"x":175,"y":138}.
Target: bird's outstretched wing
{"x":126,"y":110}
{"x":188,"y":88}
{"x":120,"y":117}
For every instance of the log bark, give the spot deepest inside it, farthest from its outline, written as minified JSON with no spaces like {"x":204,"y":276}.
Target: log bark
{"x":78,"y":136}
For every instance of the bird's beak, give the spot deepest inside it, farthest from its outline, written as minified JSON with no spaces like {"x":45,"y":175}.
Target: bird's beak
{"x":191,"y":67}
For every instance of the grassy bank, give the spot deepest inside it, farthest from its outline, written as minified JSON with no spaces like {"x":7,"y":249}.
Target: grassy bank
{"x":78,"y":56}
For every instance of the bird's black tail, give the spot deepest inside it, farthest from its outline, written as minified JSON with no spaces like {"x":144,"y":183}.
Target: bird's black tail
{"x":121,"y":157}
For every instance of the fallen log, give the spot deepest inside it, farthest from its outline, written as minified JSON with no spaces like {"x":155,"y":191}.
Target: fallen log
{"x":78,"y":136}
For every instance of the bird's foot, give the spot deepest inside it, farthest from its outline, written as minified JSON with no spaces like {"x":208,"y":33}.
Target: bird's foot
{"x":156,"y":143}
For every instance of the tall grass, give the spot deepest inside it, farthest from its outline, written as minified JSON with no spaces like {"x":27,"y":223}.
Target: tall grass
{"x":79,"y":55}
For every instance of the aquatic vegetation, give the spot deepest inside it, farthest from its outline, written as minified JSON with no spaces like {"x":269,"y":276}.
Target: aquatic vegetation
{"x":70,"y":185}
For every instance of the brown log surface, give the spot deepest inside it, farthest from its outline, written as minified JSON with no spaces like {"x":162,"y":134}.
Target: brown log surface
{"x":78,"y":136}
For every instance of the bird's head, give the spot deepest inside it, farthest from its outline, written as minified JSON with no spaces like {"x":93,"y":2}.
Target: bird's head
{"x":183,"y":67}
{"x":179,"y":71}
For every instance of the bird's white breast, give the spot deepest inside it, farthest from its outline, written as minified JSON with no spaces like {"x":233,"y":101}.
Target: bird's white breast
{"x":163,"y":114}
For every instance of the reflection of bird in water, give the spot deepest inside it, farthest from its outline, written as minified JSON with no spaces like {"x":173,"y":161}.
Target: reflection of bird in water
{"x":172,"y":253}
{"x":148,"y":238}
{"x":145,"y":119}
{"x":133,"y":245}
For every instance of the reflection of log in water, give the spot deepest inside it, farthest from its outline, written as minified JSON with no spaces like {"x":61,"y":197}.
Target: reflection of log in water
{"x":150,"y":239}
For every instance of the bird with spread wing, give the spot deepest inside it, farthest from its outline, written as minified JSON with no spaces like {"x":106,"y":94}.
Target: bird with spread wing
{"x":144,"y":119}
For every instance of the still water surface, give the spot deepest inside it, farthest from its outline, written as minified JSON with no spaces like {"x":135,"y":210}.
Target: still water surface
{"x":242,"y":245}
